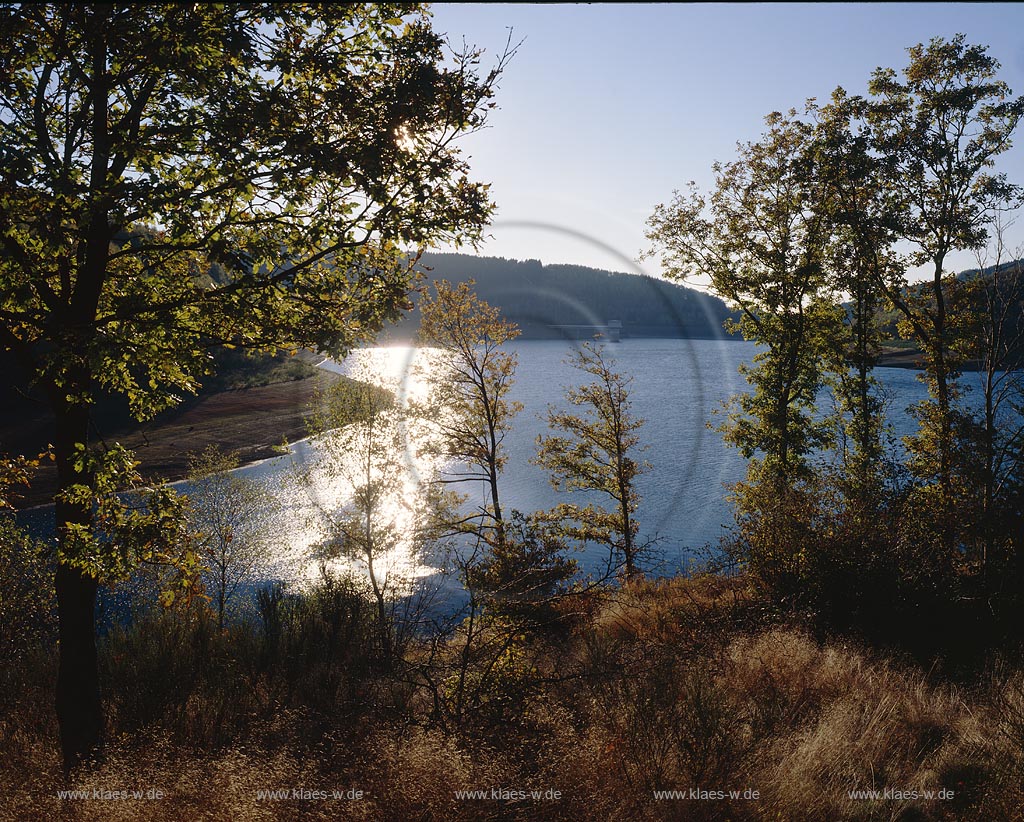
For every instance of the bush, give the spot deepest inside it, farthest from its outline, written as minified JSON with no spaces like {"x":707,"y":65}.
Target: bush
{"x":28,"y":608}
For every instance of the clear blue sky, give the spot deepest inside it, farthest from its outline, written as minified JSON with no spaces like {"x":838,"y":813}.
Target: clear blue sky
{"x":608,"y":108}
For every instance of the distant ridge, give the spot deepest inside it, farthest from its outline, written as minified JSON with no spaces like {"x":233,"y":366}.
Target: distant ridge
{"x":549,"y":301}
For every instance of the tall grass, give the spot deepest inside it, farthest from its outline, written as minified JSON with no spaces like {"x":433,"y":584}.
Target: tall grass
{"x":675,"y":685}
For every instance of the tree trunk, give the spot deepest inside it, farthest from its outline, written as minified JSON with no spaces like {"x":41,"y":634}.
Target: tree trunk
{"x":941,"y":376}
{"x":944,"y":402}
{"x":79,"y":712}
{"x":625,"y":489}
{"x":863,"y":423}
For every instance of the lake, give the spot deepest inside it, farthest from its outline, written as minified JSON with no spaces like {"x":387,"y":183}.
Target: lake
{"x":677,"y":386}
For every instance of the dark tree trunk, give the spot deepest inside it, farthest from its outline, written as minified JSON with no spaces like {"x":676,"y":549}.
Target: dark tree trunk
{"x":944,"y":402}
{"x":79,"y":712}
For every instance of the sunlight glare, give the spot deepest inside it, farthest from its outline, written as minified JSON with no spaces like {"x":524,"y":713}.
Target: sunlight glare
{"x":330,"y":474}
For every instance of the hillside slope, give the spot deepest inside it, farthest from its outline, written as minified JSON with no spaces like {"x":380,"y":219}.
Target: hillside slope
{"x":544,"y":299}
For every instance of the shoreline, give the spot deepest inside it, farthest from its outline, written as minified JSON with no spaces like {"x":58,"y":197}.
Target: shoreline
{"x":913,"y":359}
{"x":901,"y":358}
{"x":250,"y":421}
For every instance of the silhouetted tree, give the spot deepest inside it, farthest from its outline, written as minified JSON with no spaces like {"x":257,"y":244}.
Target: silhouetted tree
{"x":230,"y":517}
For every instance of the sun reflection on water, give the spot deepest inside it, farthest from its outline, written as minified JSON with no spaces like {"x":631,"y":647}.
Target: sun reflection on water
{"x":314,"y":504}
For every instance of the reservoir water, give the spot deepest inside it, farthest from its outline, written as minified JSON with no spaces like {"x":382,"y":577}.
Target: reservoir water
{"x":677,"y":386}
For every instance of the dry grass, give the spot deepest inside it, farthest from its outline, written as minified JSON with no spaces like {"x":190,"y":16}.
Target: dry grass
{"x":670,"y":685}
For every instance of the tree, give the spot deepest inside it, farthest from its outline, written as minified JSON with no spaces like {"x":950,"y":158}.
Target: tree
{"x":597,"y":455}
{"x":997,"y":296}
{"x":761,"y":238}
{"x":180,"y":176}
{"x":229,"y":516}
{"x":469,"y":378}
{"x":936,"y":135}
{"x":860,"y":262}
{"x":516,"y":561}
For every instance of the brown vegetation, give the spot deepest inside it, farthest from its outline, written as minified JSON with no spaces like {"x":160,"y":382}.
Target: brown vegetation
{"x":671,"y":685}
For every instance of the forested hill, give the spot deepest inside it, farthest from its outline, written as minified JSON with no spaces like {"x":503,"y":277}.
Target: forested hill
{"x":543,"y":299}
